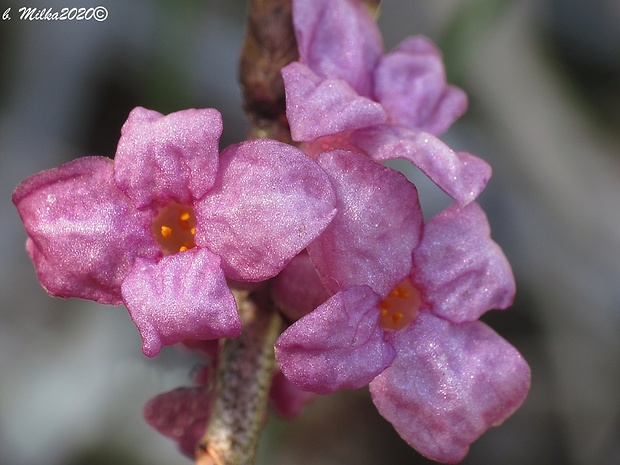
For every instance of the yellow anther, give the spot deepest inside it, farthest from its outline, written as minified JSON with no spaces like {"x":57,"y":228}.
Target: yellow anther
{"x":174,"y":228}
{"x":400,"y":307}
{"x":399,"y":292}
{"x":184,"y":221}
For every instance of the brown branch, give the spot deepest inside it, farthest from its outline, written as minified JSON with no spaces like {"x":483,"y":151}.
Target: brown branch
{"x":244,"y":374}
{"x":269,"y":45}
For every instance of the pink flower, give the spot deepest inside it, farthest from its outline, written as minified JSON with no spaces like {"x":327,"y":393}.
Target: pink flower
{"x":162,"y":227}
{"x":403,"y":314}
{"x":182,"y":415}
{"x":370,"y":240}
{"x":344,"y":93}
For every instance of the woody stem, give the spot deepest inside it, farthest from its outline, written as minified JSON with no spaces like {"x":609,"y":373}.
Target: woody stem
{"x":244,"y":375}
{"x":269,"y":45}
{"x":246,"y":364}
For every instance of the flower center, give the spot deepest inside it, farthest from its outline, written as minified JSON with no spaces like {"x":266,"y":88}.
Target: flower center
{"x":400,"y":307}
{"x":174,"y":228}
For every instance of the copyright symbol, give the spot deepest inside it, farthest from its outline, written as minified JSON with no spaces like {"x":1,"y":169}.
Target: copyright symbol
{"x":101,"y":13}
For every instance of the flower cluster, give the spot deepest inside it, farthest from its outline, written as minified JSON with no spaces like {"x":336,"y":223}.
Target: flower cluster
{"x":372,"y":294}
{"x":404,"y":296}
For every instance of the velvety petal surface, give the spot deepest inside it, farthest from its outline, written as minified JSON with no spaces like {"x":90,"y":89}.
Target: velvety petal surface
{"x":287,"y":399}
{"x":298,"y":289}
{"x":83,"y":233}
{"x":182,"y":415}
{"x":459,"y":174}
{"x":317,"y":106}
{"x":462,"y":271}
{"x":269,"y":202}
{"x":379,"y":221}
{"x":160,"y":158}
{"x":183,"y":296}
{"x":338,"y":39}
{"x":338,"y":346}
{"x":410,"y":83}
{"x":448,"y":384}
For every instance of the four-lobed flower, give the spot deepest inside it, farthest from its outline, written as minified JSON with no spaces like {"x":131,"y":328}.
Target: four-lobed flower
{"x":403,"y":314}
{"x":163,"y":226}
{"x":344,"y":93}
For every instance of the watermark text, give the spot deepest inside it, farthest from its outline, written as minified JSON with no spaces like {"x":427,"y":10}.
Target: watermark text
{"x":24,"y":13}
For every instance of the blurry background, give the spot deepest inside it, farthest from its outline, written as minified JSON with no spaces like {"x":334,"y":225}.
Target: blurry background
{"x":544,"y":84}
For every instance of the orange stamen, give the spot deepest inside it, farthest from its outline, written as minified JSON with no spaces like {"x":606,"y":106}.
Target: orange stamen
{"x":171,"y":238}
{"x":400,"y":307}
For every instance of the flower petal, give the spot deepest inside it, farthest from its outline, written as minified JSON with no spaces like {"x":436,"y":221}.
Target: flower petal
{"x":410,"y":83}
{"x":459,"y":174}
{"x":378,"y":224}
{"x":269,"y":202}
{"x":287,"y":399}
{"x":183,"y":296}
{"x":317,"y":106}
{"x":160,"y":158}
{"x":448,"y":384}
{"x":338,"y":346}
{"x":182,"y":415}
{"x":338,"y":39}
{"x":83,"y":233}
{"x":298,"y":289}
{"x":462,"y":271}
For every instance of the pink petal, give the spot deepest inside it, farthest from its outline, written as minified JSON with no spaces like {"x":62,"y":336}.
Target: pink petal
{"x":269,"y":202}
{"x":410,"y":83}
{"x":183,"y":296}
{"x":448,"y":384}
{"x":160,"y":158}
{"x":317,"y":106}
{"x":208,"y":348}
{"x":287,"y":399}
{"x":298,"y":289}
{"x":338,"y":39}
{"x":182,"y":415}
{"x":459,"y":174}
{"x":462,"y":271}
{"x":338,"y":346}
{"x":83,"y":233}
{"x":379,"y":222}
